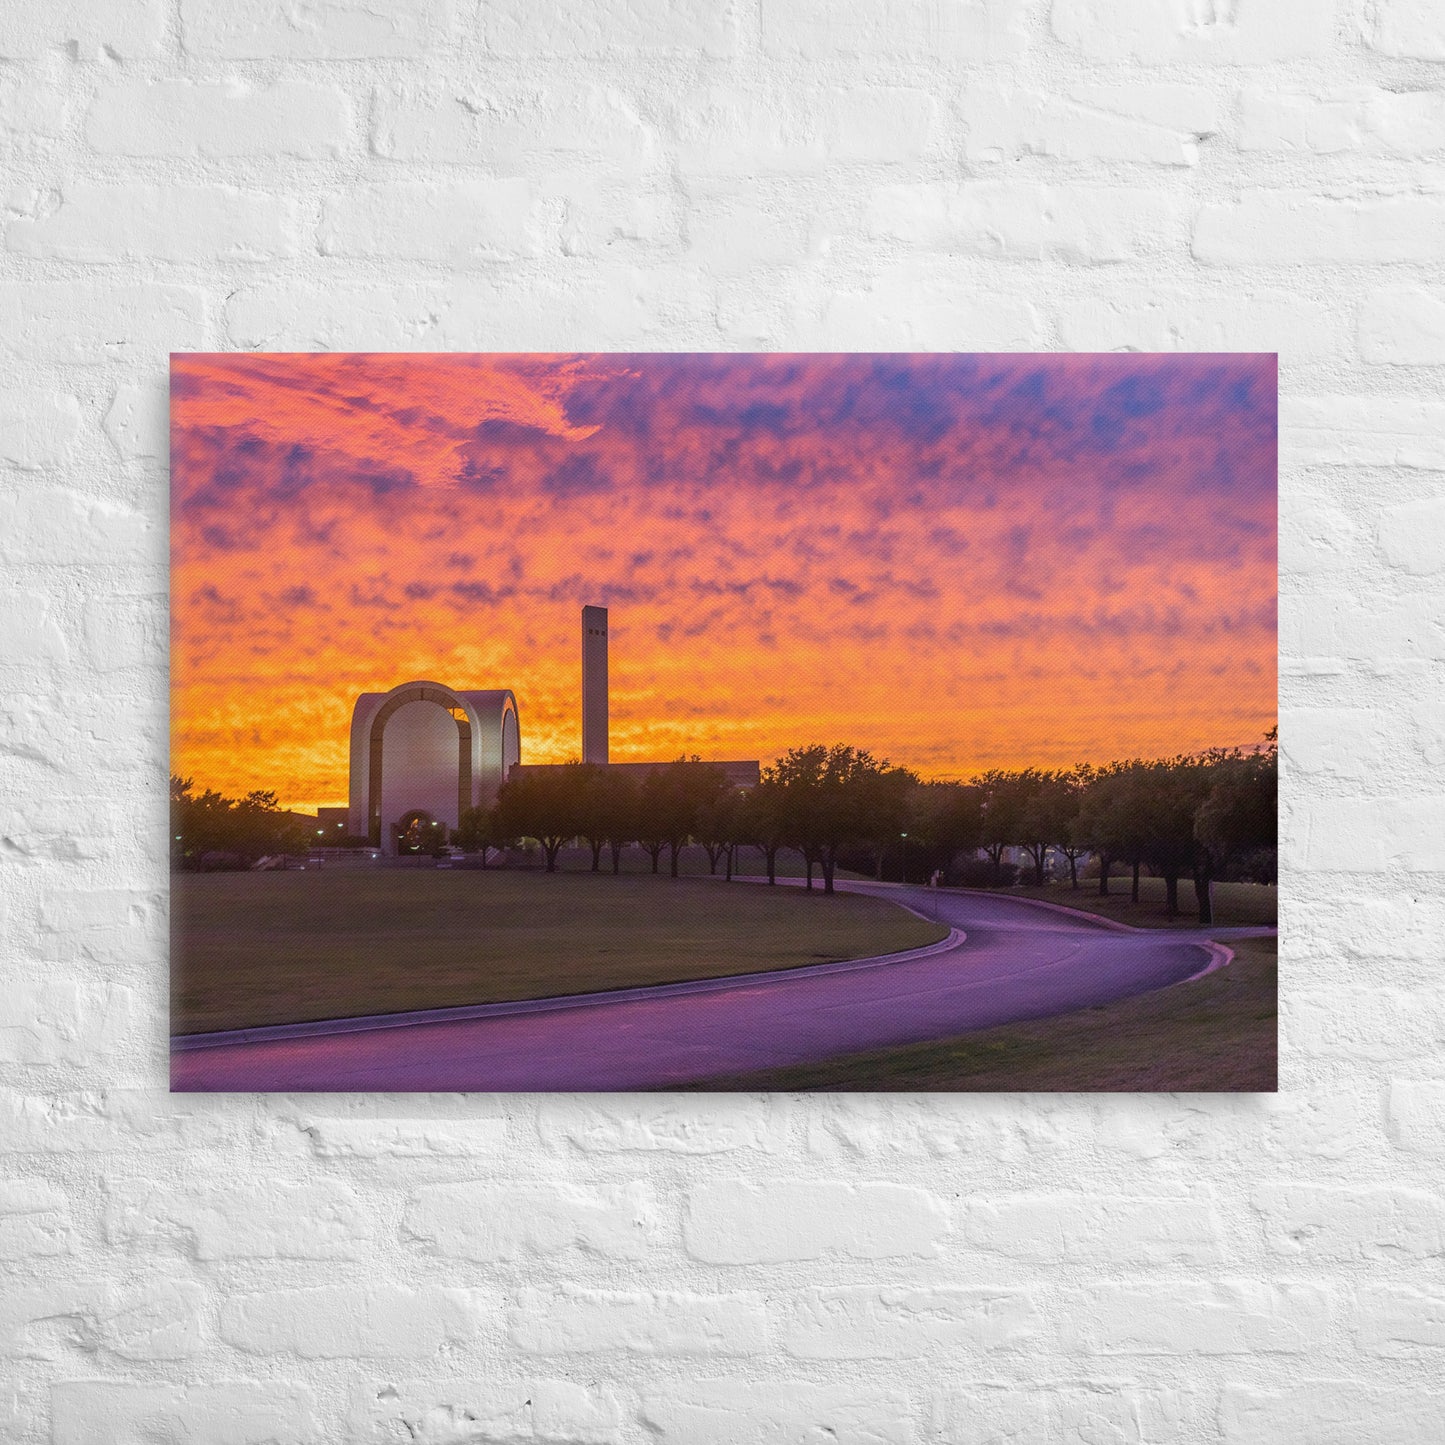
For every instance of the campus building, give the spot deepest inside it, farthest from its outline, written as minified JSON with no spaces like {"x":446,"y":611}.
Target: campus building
{"x":425,"y":750}
{"x":423,"y":753}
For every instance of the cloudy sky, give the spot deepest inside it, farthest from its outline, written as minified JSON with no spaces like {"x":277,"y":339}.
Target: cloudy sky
{"x":958,"y":562}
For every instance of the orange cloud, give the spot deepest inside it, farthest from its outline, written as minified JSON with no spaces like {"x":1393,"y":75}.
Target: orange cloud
{"x":957,"y":562}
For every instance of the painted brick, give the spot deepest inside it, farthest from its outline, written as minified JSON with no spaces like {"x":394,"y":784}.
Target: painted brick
{"x":57,"y":732}
{"x":1403,"y":326}
{"x":63,"y":528}
{"x":321,"y":1220}
{"x":1357,"y":119}
{"x":722,"y":1412}
{"x":1338,"y":631}
{"x":338,"y":30}
{"x":138,"y":423}
{"x":125,"y":630}
{"x":87,"y":323}
{"x":219,"y":119}
{"x":1399,"y":1321}
{"x":627,"y":301}
{"x":509,"y":131}
{"x":354,"y":1129}
{"x":127,"y":29}
{"x":49,"y":828}
{"x":666,"y":27}
{"x":1242,"y":32}
{"x":1329,"y":1412}
{"x":1337,"y":1222}
{"x":1338,"y":742}
{"x":1317,"y":538}
{"x":780,"y":133}
{"x":100,"y":925}
{"x":1084,"y":225}
{"x":342,"y":1322}
{"x":548,"y":1412}
{"x":600,"y":217}
{"x":1154,"y":124}
{"x":1120,"y":1413}
{"x":1417,"y":1115}
{"x":1413,"y":29}
{"x":37,"y":428}
{"x":509,"y":1220}
{"x":34,"y":1220}
{"x":1412,"y":536}
{"x":32,"y":635}
{"x":31,"y":110}
{"x":138,"y":1121}
{"x":680,"y":1125}
{"x":1251,"y":319}
{"x":1084,"y":1228}
{"x":1277,"y":227}
{"x":1428,"y":732}
{"x":109,"y":1412}
{"x":459,"y":223}
{"x":51,"y":1021}
{"x":1381,"y":1024}
{"x":1243,"y":1317}
{"x":1386,"y":929}
{"x":1374,"y":835}
{"x":1380,"y":431}
{"x":965,"y":32}
{"x":732,"y":232}
{"x":664,"y":1322}
{"x":158,"y":1319}
{"x":914,"y":304}
{"x":863,"y":1126}
{"x":864,"y":1322}
{"x":737,"y":1222}
{"x":100,"y":222}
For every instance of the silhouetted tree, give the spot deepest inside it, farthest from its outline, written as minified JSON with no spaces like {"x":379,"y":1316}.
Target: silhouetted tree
{"x":760,"y":822}
{"x":477,"y":832}
{"x":546,"y":805}
{"x":833,"y":797}
{"x":242,"y":829}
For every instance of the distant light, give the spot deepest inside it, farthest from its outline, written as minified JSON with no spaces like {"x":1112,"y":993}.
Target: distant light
{"x":178,"y":837}
{"x":320,"y":831}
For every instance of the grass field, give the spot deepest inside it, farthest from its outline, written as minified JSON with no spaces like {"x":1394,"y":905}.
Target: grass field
{"x":1234,"y":903}
{"x":266,"y":948}
{"x":1217,"y":1033}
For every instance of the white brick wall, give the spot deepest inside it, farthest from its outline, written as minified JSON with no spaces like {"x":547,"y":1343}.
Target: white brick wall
{"x":694,"y":174}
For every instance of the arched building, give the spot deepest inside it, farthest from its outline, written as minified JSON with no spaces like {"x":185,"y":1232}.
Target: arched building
{"x":424,"y":748}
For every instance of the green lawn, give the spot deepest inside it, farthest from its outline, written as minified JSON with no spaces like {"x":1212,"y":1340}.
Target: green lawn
{"x":266,"y":948}
{"x":1234,"y":903}
{"x":1215,"y":1034}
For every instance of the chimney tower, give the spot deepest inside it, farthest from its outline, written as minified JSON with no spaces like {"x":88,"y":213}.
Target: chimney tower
{"x":594,"y":685}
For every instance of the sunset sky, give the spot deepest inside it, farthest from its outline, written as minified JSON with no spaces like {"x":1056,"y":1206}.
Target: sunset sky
{"x":957,"y":562}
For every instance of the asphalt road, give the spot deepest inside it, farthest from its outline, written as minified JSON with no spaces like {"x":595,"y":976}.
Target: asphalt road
{"x":1018,"y":961}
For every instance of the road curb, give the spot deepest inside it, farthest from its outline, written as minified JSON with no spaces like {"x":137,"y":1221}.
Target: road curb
{"x":465,"y":1013}
{"x":1219,"y":957}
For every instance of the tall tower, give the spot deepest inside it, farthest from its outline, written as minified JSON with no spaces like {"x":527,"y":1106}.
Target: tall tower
{"x":594,"y":685}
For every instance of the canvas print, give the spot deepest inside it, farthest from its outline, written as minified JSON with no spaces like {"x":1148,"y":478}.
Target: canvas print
{"x":723,"y":722}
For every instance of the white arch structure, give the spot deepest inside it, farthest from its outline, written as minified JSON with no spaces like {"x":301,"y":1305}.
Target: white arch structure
{"x":478,"y":752}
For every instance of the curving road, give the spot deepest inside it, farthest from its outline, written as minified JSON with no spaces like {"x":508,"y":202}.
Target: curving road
{"x":1018,"y":961}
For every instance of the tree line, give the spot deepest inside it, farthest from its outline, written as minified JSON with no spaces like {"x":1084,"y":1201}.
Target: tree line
{"x":1200,"y":817}
{"x":239,"y":830}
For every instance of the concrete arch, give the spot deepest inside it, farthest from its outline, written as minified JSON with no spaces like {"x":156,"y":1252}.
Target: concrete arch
{"x":488,"y":744}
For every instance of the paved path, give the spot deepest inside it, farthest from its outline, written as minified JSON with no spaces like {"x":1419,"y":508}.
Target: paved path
{"x":1018,"y":961}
